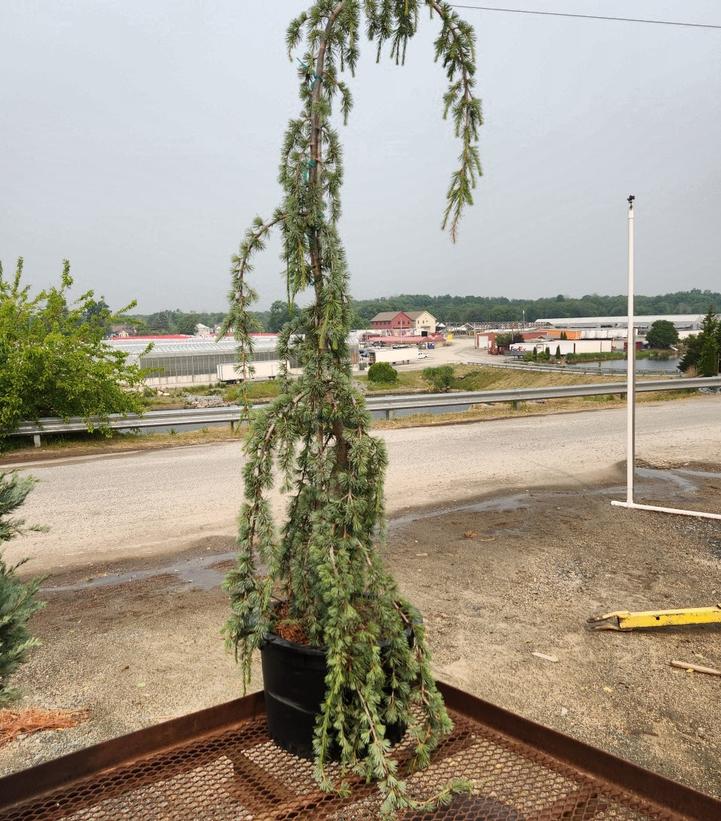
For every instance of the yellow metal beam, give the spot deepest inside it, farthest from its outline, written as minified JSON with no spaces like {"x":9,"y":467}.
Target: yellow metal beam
{"x":626,"y":620}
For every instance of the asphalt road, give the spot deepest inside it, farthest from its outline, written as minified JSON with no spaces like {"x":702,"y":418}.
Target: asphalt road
{"x":162,"y":501}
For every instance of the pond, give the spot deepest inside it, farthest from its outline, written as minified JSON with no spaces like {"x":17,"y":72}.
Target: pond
{"x":666,"y":366}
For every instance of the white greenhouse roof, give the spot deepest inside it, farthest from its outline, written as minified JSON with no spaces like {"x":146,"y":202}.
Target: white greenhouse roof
{"x":190,"y":346}
{"x":680,"y":320}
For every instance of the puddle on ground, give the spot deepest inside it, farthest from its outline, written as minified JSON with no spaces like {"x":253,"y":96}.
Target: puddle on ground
{"x":200,"y":572}
{"x":500,"y":504}
{"x":704,"y":474}
{"x":682,"y":482}
{"x":203,"y":573}
{"x":663,"y":482}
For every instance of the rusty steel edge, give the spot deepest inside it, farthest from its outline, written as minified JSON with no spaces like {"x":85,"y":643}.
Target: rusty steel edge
{"x":682,"y":801}
{"x":653,"y":788}
{"x":126,"y":749}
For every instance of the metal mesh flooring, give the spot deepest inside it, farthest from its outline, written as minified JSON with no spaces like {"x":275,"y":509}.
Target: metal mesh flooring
{"x":238,"y":773}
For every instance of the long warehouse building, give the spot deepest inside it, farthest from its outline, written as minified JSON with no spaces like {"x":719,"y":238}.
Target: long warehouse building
{"x":685,"y":324}
{"x":177,"y":361}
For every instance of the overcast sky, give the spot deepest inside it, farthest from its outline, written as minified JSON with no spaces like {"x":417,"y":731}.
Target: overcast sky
{"x":140,"y":137}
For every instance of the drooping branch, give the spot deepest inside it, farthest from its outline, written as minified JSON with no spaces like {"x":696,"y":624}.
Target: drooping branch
{"x":324,"y":560}
{"x":242,"y":296}
{"x":396,"y":21}
{"x":456,"y":47}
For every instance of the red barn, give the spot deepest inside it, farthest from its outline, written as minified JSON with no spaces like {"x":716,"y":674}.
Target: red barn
{"x":392,"y":321}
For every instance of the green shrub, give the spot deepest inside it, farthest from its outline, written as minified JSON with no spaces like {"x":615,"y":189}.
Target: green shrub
{"x":440,"y":378}
{"x":17,"y":599}
{"x":595,"y":357}
{"x":382,"y":373}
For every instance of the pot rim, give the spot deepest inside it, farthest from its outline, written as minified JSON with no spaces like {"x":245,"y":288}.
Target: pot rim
{"x":274,"y":638}
{"x":310,"y":650}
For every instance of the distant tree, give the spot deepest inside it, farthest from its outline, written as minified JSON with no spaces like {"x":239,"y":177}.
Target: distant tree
{"x":558,"y":351}
{"x":99,"y":312}
{"x":161,"y":322}
{"x":280,"y":313}
{"x":691,"y":347}
{"x":382,"y":373}
{"x":186,"y":324}
{"x":662,"y":334}
{"x":53,"y":357}
{"x":564,"y":335}
{"x":708,"y":364}
{"x":440,"y":378}
{"x":504,"y":341}
{"x":18,"y":599}
{"x":701,"y":351}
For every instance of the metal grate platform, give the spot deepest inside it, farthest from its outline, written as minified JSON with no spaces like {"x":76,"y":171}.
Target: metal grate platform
{"x":221,"y":764}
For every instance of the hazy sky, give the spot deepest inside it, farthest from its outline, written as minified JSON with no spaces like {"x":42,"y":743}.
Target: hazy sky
{"x":140,"y":138}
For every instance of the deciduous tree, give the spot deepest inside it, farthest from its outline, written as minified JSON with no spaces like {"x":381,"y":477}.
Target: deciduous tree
{"x":53,"y":358}
{"x":662,"y":334}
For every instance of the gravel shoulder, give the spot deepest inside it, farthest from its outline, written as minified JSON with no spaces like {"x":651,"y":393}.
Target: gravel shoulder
{"x":498,"y":577}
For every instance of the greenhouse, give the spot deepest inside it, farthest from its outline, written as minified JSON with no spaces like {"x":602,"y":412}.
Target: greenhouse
{"x":175,"y":361}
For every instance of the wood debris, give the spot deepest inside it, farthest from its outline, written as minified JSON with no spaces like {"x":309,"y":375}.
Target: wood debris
{"x":545,"y":656}
{"x":689,"y":667}
{"x":14,"y":723}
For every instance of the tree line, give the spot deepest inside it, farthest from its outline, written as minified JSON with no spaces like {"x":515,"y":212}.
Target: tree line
{"x":451,"y":309}
{"x":459,"y":309}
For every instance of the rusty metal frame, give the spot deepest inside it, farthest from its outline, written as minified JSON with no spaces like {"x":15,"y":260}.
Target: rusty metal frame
{"x":600,"y":773}
{"x":655,"y":789}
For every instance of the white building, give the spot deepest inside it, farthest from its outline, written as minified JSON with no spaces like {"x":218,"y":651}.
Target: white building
{"x":616,"y":327}
{"x":565,"y":346}
{"x":423,"y":322}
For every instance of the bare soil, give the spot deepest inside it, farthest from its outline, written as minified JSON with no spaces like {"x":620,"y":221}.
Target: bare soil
{"x":497,"y":579}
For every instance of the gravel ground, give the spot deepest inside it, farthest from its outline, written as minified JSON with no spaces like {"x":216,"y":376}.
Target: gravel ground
{"x":498,"y":578}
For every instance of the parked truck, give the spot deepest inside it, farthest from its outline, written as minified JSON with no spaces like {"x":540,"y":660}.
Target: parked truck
{"x":395,"y":356}
{"x":229,"y":372}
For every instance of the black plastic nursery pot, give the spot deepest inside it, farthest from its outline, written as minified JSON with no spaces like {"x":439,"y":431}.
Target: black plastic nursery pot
{"x":294,"y":682}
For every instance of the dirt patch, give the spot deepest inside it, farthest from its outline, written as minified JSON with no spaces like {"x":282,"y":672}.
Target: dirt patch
{"x":498,"y":579}
{"x":528,"y":583}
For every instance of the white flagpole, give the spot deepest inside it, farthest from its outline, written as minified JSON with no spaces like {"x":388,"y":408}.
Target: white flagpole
{"x":631,"y":395}
{"x":631,"y":362}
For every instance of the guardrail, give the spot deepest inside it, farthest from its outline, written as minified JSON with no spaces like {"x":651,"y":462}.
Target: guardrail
{"x":387,"y":405}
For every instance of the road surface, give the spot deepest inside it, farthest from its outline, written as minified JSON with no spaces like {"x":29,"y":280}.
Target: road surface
{"x":162,"y":501}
